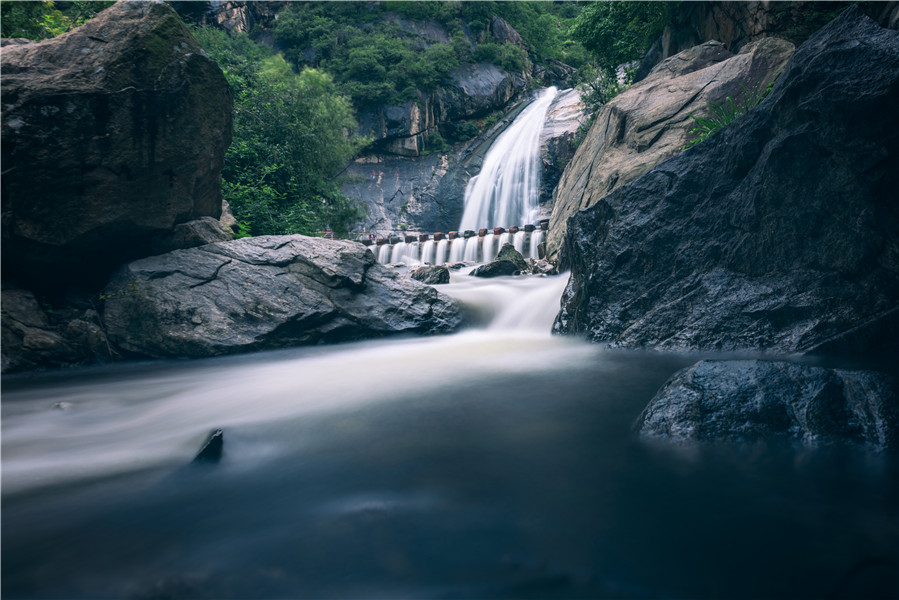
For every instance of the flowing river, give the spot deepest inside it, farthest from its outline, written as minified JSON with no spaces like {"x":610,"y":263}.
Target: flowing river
{"x":498,"y":462}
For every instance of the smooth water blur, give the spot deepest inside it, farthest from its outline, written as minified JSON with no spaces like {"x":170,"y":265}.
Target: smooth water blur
{"x":494,"y":463}
{"x":507,"y":189}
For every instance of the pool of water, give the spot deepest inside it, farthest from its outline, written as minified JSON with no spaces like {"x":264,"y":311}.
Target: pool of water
{"x":494,"y":463}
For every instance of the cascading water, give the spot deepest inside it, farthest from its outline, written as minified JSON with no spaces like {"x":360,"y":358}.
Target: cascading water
{"x":457,"y":250}
{"x":442,"y":249}
{"x":384,"y":253}
{"x":488,"y":248}
{"x":536,"y":240}
{"x":506,"y":191}
{"x":518,"y":241}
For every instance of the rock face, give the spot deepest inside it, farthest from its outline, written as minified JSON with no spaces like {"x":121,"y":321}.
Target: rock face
{"x":755,"y":400}
{"x":431,"y":275}
{"x":508,"y":261}
{"x":781,"y":232}
{"x":648,"y":123}
{"x":564,"y":117}
{"x":111,"y":134}
{"x":736,"y":24}
{"x":265,"y":292}
{"x":31,"y":341}
{"x":472,"y":90}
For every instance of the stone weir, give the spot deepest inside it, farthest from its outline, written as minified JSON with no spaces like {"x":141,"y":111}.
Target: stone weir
{"x":469,"y":246}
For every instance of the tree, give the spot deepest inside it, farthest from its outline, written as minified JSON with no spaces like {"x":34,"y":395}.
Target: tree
{"x":620,"y":32}
{"x":46,"y":19}
{"x":293,"y":133}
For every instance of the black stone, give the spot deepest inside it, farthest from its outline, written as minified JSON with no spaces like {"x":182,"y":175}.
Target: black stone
{"x":211,"y":452}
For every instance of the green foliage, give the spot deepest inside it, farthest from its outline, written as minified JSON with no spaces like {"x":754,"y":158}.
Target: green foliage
{"x":620,"y":32}
{"x":42,"y":20}
{"x":508,"y":56}
{"x":434,"y":142}
{"x":598,"y":86}
{"x":462,"y":131}
{"x":376,"y":57}
{"x":293,"y":133}
{"x":722,"y":115}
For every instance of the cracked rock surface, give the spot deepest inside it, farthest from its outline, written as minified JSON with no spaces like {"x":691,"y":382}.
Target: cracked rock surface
{"x":262,"y":293}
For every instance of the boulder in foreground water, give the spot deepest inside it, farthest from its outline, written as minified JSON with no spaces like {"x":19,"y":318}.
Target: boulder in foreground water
{"x":265,"y":292}
{"x":754,"y":400}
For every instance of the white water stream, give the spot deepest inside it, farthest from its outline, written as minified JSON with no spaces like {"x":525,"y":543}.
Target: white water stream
{"x":506,"y":191}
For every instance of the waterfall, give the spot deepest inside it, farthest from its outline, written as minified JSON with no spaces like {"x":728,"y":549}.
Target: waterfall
{"x":518,"y":241}
{"x":536,"y":240}
{"x":427,"y":252}
{"x":384,"y":254}
{"x":488,"y":248}
{"x":471,"y":249}
{"x":399,"y":252}
{"x":441,"y":252}
{"x":457,"y":250}
{"x":506,"y":190}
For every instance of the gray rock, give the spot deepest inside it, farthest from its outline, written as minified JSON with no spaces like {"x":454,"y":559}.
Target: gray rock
{"x":112,"y":134}
{"x":431,"y":274}
{"x":648,"y":123}
{"x":265,"y":292}
{"x":778,"y":233}
{"x":31,"y":341}
{"x":205,"y":230}
{"x":508,"y":261}
{"x":752,"y":400}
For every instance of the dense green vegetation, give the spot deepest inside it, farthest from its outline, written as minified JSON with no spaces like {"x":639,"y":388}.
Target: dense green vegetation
{"x":41,"y":20}
{"x":293,"y":133}
{"x":386,"y":52}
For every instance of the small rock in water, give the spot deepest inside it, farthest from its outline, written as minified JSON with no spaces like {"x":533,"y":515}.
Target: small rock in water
{"x":62,"y":406}
{"x":211,"y":452}
{"x":431,"y":275}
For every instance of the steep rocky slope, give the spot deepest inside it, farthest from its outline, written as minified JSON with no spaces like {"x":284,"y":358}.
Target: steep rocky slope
{"x":781,"y":232}
{"x":649,"y":122}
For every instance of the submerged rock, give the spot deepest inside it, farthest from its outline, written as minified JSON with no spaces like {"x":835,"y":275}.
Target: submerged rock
{"x":649,"y":122}
{"x":431,"y":274}
{"x":780,"y":232}
{"x":508,"y":261}
{"x":752,"y":400}
{"x":265,"y":292}
{"x":112,"y":134}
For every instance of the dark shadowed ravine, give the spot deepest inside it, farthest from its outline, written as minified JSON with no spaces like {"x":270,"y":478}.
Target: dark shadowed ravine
{"x":499,"y":462}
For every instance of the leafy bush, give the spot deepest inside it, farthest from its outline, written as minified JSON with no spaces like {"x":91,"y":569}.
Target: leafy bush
{"x":597,"y":86}
{"x":293,"y":133}
{"x":41,"y":20}
{"x":722,"y":115}
{"x":507,"y":56}
{"x":620,"y":32}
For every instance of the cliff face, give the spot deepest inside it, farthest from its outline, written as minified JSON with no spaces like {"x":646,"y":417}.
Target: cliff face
{"x":779,"y":233}
{"x":649,"y":122}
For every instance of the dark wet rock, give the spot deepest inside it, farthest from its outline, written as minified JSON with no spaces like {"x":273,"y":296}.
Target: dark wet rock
{"x":781,"y":232}
{"x":112,"y":134}
{"x":430,"y":274}
{"x":211,"y":451}
{"x":504,"y":32}
{"x":753,"y":400}
{"x":198,"y":232}
{"x":508,"y":261}
{"x":649,"y":122}
{"x":30,"y":340}
{"x":265,"y":292}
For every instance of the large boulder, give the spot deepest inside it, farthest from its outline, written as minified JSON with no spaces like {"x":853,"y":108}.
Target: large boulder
{"x":753,"y":400}
{"x":649,"y":122}
{"x":781,"y":232}
{"x":265,"y":292}
{"x":112,"y":134}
